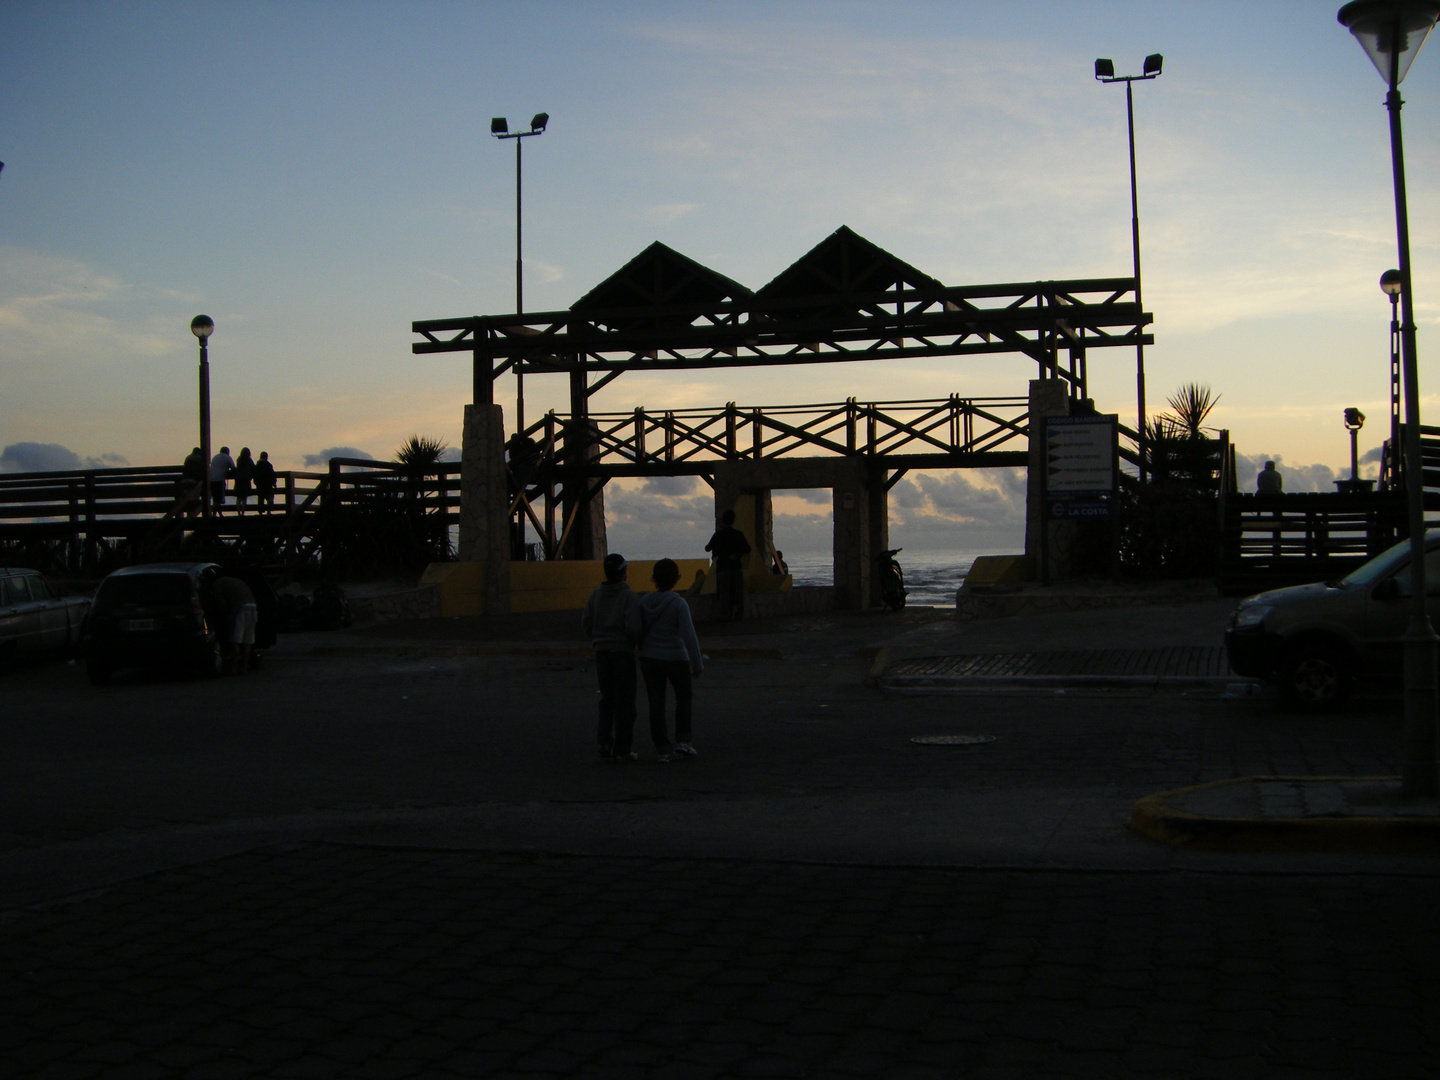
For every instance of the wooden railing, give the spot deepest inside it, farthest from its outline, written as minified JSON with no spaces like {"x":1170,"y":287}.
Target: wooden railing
{"x":1272,"y":540}
{"x":155,"y":508}
{"x":671,"y":439}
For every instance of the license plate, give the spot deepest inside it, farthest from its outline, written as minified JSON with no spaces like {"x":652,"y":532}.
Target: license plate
{"x":135,"y":626}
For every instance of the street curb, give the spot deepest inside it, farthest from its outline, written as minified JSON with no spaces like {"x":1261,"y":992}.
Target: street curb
{"x":1153,"y":817}
{"x":572,"y":651}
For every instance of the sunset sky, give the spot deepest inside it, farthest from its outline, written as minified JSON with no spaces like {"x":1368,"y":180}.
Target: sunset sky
{"x":315,"y":176}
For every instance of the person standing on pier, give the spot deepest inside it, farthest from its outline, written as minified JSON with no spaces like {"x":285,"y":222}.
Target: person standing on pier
{"x":669,"y":653}
{"x":244,"y":472}
{"x":729,"y":548}
{"x":612,"y":622}
{"x":264,"y":484}
{"x":221,"y":466}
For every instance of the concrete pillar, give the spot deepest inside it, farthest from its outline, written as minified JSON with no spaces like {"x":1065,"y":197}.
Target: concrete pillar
{"x":484,"y":523}
{"x":587,"y":539}
{"x":877,"y":512}
{"x":851,"y":512}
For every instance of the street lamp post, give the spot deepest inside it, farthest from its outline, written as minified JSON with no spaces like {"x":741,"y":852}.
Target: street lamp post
{"x":501,"y":130}
{"x":1391,"y":33}
{"x":1105,"y":73}
{"x":202,"y":326}
{"x":1390,"y":286}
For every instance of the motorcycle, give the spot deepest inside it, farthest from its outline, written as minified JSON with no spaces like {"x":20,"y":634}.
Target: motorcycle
{"x":891,"y":578}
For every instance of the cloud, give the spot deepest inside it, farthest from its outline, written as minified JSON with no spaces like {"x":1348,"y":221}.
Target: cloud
{"x":52,"y":457}
{"x":669,"y":485}
{"x":450,"y":453}
{"x":1296,"y":477}
{"x":813,"y":496}
{"x":545,"y":273}
{"x":669,"y":213}
{"x":323,"y":457}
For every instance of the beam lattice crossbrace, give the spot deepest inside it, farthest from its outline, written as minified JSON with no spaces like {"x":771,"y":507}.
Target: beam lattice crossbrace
{"x":846,"y":300}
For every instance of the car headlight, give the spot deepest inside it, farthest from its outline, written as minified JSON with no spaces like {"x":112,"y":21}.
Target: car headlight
{"x":1253,"y":615}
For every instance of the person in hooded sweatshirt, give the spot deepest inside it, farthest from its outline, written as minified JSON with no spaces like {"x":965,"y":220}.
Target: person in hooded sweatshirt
{"x":612,"y":622}
{"x":669,"y":653}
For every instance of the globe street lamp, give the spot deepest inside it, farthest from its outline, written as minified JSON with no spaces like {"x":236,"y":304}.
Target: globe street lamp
{"x":1391,"y":33}
{"x":501,"y":130}
{"x":1105,"y":73}
{"x":1390,"y":286}
{"x":202,"y":326}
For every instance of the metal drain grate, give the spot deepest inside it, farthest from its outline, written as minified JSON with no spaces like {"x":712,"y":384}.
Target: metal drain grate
{"x":952,"y":740}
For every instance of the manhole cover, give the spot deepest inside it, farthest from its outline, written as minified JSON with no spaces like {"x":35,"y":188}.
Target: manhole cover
{"x":952,"y":740}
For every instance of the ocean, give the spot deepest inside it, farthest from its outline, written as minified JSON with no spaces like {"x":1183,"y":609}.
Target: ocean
{"x":932,"y":577}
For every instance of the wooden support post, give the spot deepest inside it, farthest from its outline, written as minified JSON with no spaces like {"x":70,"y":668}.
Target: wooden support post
{"x":669,"y":423}
{"x":640,"y":454}
{"x":757,"y":434}
{"x":90,"y":527}
{"x":731,"y":450}
{"x":870,"y":430}
{"x":850,"y":424}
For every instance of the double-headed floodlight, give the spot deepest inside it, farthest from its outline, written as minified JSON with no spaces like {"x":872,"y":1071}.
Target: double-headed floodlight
{"x":1105,"y":73}
{"x":1391,"y":33}
{"x":500,"y":128}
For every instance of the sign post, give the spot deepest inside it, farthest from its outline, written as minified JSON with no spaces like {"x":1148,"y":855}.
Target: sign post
{"x":1081,"y":454}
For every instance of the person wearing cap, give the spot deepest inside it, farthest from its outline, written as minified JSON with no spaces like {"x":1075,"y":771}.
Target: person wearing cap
{"x":612,"y":622}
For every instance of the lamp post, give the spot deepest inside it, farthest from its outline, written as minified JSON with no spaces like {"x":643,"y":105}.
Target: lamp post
{"x":1391,"y":33}
{"x":202,"y":326}
{"x":1105,"y":73}
{"x":1390,"y":286}
{"x":501,"y":130}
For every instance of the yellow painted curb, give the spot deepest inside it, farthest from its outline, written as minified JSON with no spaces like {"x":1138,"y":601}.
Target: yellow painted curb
{"x":1152,"y":816}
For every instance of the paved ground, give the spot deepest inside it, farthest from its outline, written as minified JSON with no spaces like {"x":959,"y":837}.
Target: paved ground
{"x":387,"y":862}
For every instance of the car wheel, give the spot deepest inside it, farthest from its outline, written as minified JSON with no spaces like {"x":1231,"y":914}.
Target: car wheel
{"x":97,"y":670}
{"x":212,"y":663}
{"x":1315,"y":677}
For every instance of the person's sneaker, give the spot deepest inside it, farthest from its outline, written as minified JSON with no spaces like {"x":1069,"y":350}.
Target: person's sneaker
{"x":631,"y":756}
{"x":686,"y":749}
{"x":606,"y":749}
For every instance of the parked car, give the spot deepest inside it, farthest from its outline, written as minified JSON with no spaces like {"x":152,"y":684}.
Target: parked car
{"x":34,"y":619}
{"x":1315,"y":640}
{"x":163,"y":614}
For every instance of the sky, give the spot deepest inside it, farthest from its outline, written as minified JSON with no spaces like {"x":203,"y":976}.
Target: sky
{"x":316,"y":176}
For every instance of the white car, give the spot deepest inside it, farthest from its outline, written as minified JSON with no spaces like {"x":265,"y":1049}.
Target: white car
{"x":34,"y":621}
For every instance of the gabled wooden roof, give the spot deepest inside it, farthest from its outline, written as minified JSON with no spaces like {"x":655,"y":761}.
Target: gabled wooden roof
{"x":658,"y":287}
{"x":844,"y":266}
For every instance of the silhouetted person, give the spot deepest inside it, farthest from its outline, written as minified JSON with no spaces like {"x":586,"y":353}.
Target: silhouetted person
{"x":779,"y":566}
{"x":669,"y":652}
{"x":194,"y":472}
{"x":221,"y":466}
{"x":612,"y":622}
{"x":264,"y":484}
{"x":729,"y":547}
{"x":1269,"y":480}
{"x":244,"y":473}
{"x":239,"y":613}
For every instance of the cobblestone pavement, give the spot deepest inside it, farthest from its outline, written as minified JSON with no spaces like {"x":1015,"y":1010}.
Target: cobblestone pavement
{"x":326,"y":960}
{"x":353,"y":867}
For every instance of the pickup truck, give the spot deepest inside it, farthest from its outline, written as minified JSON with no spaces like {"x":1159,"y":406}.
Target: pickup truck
{"x":34,"y":620}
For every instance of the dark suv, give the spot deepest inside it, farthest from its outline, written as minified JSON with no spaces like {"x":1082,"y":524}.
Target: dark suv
{"x":164,"y":614}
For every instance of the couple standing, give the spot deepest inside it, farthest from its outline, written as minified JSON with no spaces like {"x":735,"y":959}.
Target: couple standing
{"x":617,"y":620}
